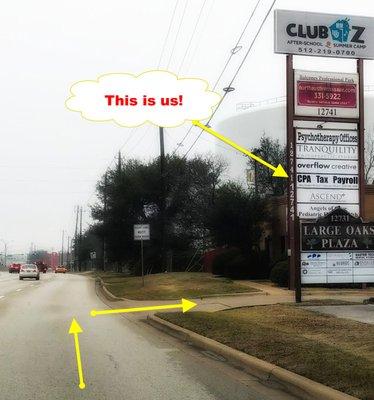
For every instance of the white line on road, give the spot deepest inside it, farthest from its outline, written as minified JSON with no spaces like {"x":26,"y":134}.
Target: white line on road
{"x":32,"y":284}
{"x":18,"y":290}
{"x":1,"y":297}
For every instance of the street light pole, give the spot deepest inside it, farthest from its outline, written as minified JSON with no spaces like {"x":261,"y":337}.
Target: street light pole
{"x":5,"y":250}
{"x":62,"y":247}
{"x":5,"y":253}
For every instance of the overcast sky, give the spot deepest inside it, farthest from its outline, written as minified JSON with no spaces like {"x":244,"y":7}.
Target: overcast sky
{"x":50,"y":158}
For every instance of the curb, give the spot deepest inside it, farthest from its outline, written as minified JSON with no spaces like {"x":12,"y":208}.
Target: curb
{"x":106,"y":291}
{"x":293,"y":383}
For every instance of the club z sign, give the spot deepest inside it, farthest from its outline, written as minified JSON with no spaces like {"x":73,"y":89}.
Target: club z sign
{"x":339,"y":32}
{"x":324,"y":35}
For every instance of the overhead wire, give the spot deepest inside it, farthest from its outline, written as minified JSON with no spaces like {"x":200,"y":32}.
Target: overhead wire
{"x":192,"y":35}
{"x":234,"y":77}
{"x":232,"y":53}
{"x":168,"y":33}
{"x":178,"y":32}
{"x":139,"y":141}
{"x":201,"y":35}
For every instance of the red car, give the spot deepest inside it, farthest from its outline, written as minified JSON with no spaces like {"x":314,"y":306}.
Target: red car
{"x":14,"y":268}
{"x":41,"y":266}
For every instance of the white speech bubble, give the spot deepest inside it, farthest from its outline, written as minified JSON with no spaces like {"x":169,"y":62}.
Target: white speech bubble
{"x":158,"y":97}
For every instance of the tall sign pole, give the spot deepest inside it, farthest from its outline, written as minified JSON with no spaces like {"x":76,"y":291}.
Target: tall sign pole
{"x":361,"y":136}
{"x":291,"y":158}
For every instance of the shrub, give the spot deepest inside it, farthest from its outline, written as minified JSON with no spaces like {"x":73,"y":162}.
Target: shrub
{"x":259,"y":265}
{"x":222,"y":261}
{"x":237,"y":267}
{"x":279,"y":273}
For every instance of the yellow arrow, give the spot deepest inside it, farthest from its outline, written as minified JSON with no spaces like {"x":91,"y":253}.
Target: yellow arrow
{"x":185,"y":306}
{"x":75,"y":329}
{"x":279,"y":171}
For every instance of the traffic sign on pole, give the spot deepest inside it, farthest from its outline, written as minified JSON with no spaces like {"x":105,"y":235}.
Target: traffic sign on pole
{"x":141,"y":232}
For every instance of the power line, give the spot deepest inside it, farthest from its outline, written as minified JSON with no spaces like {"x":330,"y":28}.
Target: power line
{"x":192,"y":35}
{"x":234,"y":49}
{"x":218,"y":79}
{"x":202,"y":32}
{"x":168,"y":33}
{"x":177,"y":35}
{"x":232,"y":52}
{"x":235,"y":75}
{"x":138,"y":142}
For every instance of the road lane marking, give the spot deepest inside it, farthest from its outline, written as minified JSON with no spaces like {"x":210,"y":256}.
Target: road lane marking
{"x":18,"y":290}
{"x":1,"y":297}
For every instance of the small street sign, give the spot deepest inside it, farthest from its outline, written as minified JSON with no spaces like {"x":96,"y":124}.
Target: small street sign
{"x":141,"y":232}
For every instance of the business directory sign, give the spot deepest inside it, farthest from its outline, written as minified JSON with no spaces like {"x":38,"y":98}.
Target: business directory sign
{"x":327,"y":171}
{"x":338,"y":248}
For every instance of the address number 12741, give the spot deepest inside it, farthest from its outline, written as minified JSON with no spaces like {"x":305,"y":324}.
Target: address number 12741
{"x":327,"y":112}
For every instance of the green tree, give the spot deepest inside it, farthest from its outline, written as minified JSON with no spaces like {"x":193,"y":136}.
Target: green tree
{"x":90,"y":242}
{"x":236,"y":224}
{"x":274,"y":153}
{"x":237,"y":218}
{"x":133,"y":195}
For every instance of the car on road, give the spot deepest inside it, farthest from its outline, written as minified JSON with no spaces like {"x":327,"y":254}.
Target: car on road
{"x":42,"y":266}
{"x":60,"y":270}
{"x":29,"y":271}
{"x":14,"y":268}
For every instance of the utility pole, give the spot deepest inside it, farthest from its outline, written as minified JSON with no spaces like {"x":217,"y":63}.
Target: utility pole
{"x":80,"y":241}
{"x":5,"y":250}
{"x":119,"y":165}
{"x":256,"y":178}
{"x":163,"y":200}
{"x":5,"y":253}
{"x":76,"y":239}
{"x":62,"y":247}
{"x":104,"y":220}
{"x":68,"y":253}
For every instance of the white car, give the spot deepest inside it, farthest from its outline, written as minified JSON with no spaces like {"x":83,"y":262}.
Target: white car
{"x":29,"y":271}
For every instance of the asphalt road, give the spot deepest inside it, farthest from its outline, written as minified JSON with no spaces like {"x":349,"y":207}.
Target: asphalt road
{"x":123,"y":358}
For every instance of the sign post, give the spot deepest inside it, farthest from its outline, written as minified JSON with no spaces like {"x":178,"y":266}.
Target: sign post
{"x":142,"y":232}
{"x":93,"y":258}
{"x":325,"y":164}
